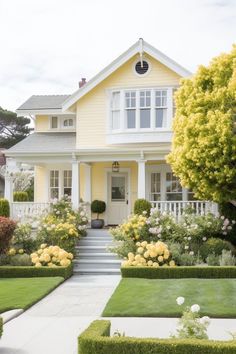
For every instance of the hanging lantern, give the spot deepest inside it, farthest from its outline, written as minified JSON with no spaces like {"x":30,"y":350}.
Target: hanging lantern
{"x":115,"y":166}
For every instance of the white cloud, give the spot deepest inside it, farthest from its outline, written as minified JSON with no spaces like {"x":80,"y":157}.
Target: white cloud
{"x":48,"y":45}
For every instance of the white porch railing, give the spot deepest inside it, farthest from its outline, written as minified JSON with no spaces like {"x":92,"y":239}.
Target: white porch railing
{"x":23,"y":210}
{"x":176,"y":208}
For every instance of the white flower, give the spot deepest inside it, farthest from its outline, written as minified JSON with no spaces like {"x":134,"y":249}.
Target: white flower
{"x":148,"y":222}
{"x":204,"y":238}
{"x":180,"y":300}
{"x":233,"y":222}
{"x":168,"y":227}
{"x":224,"y":233}
{"x":82,"y":213}
{"x":57,"y":212}
{"x":84,"y":219}
{"x":222,"y":217}
{"x":186,"y":247}
{"x":205,"y":320}
{"x":144,"y":212}
{"x":189,"y":238}
{"x":195,"y":308}
{"x":191,"y":253}
{"x":229,"y":227}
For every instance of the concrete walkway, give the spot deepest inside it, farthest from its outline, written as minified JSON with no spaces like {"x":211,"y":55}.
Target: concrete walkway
{"x":53,"y":325}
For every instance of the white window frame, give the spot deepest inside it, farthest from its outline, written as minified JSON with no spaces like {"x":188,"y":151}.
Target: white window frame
{"x":60,"y":123}
{"x":60,"y":181}
{"x":68,"y":126}
{"x":51,"y":187}
{"x":123,"y":121}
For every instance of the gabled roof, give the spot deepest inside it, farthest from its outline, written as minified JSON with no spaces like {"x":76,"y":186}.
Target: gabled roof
{"x":42,"y":102}
{"x":45,"y":143}
{"x":139,"y":46}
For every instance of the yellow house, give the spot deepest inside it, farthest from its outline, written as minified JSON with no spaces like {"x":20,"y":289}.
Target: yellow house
{"x":109,"y":139}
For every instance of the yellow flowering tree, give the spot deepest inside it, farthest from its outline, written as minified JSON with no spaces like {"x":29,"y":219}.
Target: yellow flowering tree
{"x":203,"y":152}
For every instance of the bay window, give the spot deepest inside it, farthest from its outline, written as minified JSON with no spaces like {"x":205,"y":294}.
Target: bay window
{"x":140,"y":109}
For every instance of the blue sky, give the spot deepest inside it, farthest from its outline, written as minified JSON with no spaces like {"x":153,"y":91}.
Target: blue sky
{"x":48,"y":45}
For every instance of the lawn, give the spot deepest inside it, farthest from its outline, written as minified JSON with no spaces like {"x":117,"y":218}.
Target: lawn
{"x":157,"y":297}
{"x":21,"y":293}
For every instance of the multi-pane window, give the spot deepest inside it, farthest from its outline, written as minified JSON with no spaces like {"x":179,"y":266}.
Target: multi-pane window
{"x":115,"y":110}
{"x":155,"y":186}
{"x":130,"y":108}
{"x":67,"y":182}
{"x":173,"y":187}
{"x":68,"y":123}
{"x":160,"y":108}
{"x":54,"y":184}
{"x":54,"y":122}
{"x":145,"y":109}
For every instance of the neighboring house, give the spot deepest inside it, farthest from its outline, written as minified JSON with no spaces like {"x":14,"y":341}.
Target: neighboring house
{"x":119,"y":120}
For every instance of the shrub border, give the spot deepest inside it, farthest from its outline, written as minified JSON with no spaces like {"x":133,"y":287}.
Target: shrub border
{"x":96,"y":340}
{"x":31,"y":272}
{"x":178,"y":272}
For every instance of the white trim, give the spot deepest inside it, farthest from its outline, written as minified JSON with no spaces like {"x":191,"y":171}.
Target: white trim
{"x":60,"y":124}
{"x":134,"y":49}
{"x":122,"y":170}
{"x":21,"y":112}
{"x":147,"y":72}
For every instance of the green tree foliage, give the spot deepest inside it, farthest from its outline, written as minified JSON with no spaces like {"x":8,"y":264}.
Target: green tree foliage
{"x":12,"y":128}
{"x":203,"y":153}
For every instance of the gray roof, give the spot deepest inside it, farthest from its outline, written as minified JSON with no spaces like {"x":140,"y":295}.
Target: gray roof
{"x":37,"y":102}
{"x":45,"y":143}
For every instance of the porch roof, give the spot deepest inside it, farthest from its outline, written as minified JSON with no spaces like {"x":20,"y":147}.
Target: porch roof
{"x":41,"y":102}
{"x":45,"y":143}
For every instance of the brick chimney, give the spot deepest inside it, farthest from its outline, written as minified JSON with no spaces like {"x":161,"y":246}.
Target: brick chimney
{"x":82,"y":82}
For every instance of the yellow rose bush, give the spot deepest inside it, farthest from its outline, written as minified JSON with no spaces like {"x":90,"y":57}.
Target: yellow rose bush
{"x":132,"y":228}
{"x":51,"y":256}
{"x":154,"y":254}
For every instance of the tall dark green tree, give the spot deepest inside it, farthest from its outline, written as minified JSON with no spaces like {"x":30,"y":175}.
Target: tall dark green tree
{"x":12,"y":128}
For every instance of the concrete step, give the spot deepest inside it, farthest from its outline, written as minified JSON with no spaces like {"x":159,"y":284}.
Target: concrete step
{"x":84,"y":264}
{"x":96,"y":255}
{"x":98,"y":232}
{"x":96,"y":271}
{"x":96,"y":238}
{"x":92,"y":249}
{"x":95,"y":243}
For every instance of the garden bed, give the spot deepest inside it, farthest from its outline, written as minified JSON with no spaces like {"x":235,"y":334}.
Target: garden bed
{"x":178,"y":272}
{"x":21,"y":293}
{"x":157,"y":298}
{"x":96,"y":340}
{"x":31,"y":272}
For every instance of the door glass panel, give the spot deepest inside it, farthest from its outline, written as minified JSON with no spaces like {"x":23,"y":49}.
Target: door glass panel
{"x":117,"y":188}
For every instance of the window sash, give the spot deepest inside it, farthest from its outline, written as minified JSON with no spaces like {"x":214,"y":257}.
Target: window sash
{"x":54,"y":122}
{"x":173,"y":187}
{"x":54,"y":184}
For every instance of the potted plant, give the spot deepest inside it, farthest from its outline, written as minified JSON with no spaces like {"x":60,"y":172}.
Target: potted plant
{"x":98,"y":207}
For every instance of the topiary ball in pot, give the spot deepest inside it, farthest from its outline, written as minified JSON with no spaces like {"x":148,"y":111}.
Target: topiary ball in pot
{"x":98,"y":207}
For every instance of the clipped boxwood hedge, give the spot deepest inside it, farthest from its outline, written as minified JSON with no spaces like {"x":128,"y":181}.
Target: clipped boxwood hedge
{"x":31,"y":272}
{"x":1,"y":326}
{"x":178,"y":272}
{"x":96,"y":340}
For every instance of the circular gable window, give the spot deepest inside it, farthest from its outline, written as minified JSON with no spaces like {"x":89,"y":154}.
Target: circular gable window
{"x":141,"y":68}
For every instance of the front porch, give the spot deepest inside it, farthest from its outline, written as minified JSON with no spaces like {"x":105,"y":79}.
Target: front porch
{"x":87,"y":180}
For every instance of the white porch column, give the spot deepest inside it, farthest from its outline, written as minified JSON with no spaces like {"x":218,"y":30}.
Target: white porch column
{"x":88,"y":189}
{"x":75,"y":193}
{"x":11,"y":167}
{"x":141,"y":179}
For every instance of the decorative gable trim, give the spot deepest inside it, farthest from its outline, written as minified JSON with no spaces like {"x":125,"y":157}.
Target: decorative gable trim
{"x":123,"y":58}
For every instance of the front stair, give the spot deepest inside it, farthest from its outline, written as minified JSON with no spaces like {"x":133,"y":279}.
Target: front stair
{"x":92,"y":255}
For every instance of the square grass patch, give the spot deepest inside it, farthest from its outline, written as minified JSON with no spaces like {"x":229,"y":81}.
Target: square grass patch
{"x":21,"y":293}
{"x":157,"y":297}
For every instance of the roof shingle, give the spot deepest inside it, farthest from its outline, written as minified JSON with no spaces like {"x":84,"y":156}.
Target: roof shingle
{"x":38,"y":102}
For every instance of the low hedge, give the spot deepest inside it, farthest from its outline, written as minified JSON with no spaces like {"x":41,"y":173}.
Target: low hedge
{"x":178,"y":272}
{"x":31,"y":272}
{"x":96,"y":340}
{"x":1,"y":326}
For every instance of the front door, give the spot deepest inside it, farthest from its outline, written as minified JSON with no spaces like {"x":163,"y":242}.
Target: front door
{"x":118,"y":198}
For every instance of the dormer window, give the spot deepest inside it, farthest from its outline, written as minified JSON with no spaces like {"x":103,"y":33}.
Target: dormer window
{"x":68,"y":123}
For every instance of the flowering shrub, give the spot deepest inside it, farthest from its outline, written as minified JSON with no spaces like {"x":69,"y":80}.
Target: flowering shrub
{"x":22,"y":238}
{"x":189,"y":234}
{"x":62,"y":226}
{"x":7,"y":227}
{"x":191,"y":325}
{"x":13,"y":251}
{"x":51,"y":256}
{"x":150,"y":254}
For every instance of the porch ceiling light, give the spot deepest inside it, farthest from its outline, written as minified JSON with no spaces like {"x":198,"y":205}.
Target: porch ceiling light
{"x":115,"y":166}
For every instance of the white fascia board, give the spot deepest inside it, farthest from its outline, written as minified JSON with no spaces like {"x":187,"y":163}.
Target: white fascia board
{"x":22,"y":112}
{"x":123,"y":58}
